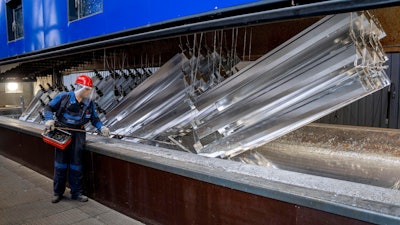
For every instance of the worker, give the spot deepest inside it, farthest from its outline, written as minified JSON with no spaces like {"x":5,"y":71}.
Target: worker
{"x":72,"y":110}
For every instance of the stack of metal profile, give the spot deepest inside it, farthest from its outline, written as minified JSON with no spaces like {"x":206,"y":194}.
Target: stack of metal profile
{"x":202,"y":104}
{"x":334,"y":62}
{"x":113,"y":87}
{"x":157,"y":107}
{"x":33,"y":104}
{"x":34,"y":112}
{"x":144,"y":101}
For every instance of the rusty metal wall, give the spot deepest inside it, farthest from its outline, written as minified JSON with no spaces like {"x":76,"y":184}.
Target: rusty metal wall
{"x":381,"y":109}
{"x":388,"y":18}
{"x":27,"y":149}
{"x":158,"y":197}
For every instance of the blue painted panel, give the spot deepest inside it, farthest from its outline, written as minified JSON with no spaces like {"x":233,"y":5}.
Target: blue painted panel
{"x":33,"y":25}
{"x":55,"y":22}
{"x":3,"y":31}
{"x":16,"y":47}
{"x":137,"y":12}
{"x":46,"y":21}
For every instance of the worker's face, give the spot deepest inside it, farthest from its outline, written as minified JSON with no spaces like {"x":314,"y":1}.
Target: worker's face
{"x":83,"y":92}
{"x":86,"y":92}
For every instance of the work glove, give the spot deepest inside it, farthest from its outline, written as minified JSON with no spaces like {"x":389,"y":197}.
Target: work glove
{"x":50,"y":125}
{"x":105,"y":131}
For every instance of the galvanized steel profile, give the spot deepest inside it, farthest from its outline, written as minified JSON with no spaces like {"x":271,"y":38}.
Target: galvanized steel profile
{"x":201,"y":105}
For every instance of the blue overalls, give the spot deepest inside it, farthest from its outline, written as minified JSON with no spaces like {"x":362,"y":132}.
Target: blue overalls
{"x":72,"y":114}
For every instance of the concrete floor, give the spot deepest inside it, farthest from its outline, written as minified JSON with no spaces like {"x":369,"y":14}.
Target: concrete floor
{"x":25,"y":197}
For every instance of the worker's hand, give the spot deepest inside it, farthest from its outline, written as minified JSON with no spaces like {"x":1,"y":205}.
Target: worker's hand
{"x":105,"y":131}
{"x":50,"y":125}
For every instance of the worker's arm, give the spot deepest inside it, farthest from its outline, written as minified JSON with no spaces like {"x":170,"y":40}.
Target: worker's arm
{"x":94,"y":119}
{"x":98,"y":124}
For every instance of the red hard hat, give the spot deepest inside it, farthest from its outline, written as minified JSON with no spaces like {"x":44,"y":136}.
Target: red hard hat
{"x":84,"y":80}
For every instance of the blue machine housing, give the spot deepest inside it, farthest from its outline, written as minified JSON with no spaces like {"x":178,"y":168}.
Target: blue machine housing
{"x":46,"y":22}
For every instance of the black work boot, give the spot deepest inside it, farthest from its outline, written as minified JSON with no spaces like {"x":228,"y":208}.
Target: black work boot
{"x":81,"y":198}
{"x":56,"y":198}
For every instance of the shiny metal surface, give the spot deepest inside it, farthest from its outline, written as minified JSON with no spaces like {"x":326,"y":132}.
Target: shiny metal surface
{"x":182,"y":110}
{"x":162,"y":106}
{"x":33,"y":104}
{"x":363,"y":155}
{"x":305,"y":83}
{"x":34,"y":113}
{"x":150,"y":95}
{"x":329,"y":65}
